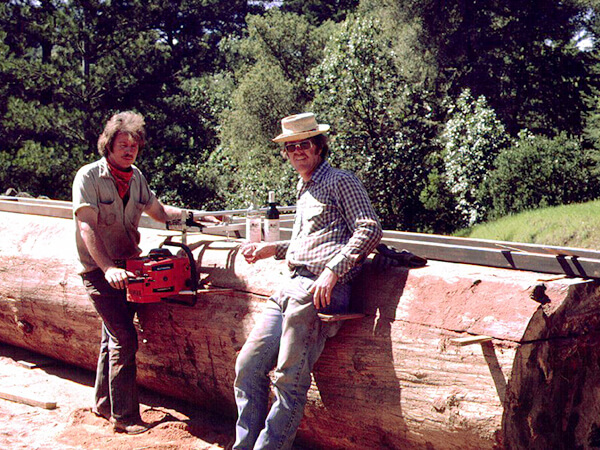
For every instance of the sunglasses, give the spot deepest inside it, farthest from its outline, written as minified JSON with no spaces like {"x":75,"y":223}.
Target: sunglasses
{"x":304,"y":145}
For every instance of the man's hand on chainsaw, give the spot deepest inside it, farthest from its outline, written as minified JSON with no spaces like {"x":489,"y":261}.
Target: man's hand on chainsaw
{"x":117,"y":278}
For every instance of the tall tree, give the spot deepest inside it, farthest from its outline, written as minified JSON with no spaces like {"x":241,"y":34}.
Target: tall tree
{"x":591,"y":35}
{"x":381,"y":124}
{"x":75,"y":62}
{"x":270,"y":67}
{"x":33,"y":122}
{"x":318,"y":11}
{"x":521,"y":56}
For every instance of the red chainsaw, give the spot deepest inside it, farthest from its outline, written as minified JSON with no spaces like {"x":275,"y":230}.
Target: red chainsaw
{"x":162,"y":276}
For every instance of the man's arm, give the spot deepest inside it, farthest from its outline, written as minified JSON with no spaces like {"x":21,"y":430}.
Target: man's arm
{"x":162,"y":213}
{"x":361,"y":219}
{"x":253,"y":251}
{"x":87,"y":224}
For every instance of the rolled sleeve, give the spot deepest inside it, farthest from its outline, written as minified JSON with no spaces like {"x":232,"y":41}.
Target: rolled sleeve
{"x":340,"y":265}
{"x":84,"y":192}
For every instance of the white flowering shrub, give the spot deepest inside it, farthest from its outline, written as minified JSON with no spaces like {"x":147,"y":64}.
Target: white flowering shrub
{"x":473,"y":137}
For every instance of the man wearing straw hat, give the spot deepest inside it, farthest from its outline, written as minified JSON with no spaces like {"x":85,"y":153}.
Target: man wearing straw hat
{"x":334,"y":231}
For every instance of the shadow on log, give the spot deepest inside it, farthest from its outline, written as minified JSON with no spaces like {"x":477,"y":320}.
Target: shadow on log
{"x":398,"y":378}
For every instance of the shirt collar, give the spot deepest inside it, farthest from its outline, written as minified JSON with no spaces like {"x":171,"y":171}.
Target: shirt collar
{"x":317,"y":176}
{"x":105,"y":171}
{"x":320,"y":172}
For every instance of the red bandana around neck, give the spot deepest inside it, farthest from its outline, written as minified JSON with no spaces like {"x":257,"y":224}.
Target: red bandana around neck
{"x":122,"y":178}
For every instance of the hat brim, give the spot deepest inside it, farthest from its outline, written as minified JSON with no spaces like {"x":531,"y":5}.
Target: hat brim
{"x":287,"y":137}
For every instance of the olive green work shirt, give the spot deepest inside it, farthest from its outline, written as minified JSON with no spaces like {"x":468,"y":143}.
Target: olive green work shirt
{"x":95,"y":187}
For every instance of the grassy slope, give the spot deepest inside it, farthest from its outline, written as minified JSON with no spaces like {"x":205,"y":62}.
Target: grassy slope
{"x":576,"y":225}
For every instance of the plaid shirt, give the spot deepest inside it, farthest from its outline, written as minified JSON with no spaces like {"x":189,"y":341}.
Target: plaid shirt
{"x":335,"y":225}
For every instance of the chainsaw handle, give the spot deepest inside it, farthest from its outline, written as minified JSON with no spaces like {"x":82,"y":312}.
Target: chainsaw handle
{"x":194,"y":272}
{"x":136,"y":279}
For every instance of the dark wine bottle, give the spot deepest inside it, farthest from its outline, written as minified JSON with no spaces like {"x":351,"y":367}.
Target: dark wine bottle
{"x":272,"y":220}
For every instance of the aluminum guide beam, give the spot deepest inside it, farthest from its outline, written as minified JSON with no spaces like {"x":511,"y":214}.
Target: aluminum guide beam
{"x":572,"y":262}
{"x":571,"y":266}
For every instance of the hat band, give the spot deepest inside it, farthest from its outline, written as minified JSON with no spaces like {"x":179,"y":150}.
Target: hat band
{"x":301,"y":131}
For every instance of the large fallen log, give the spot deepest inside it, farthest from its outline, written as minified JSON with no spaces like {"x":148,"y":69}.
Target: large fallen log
{"x":399,"y":378}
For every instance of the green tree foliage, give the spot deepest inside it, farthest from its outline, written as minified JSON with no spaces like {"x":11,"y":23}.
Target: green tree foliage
{"x":36,"y":131}
{"x":520,"y":55}
{"x":74,"y":63}
{"x":282,"y":40}
{"x":270,"y":68}
{"x":537,"y":172}
{"x":591,"y":131}
{"x":473,"y":137}
{"x":318,"y":11}
{"x":592,"y":123}
{"x":251,"y":161}
{"x":213,"y":79}
{"x":440,"y":206}
{"x":379,"y":121}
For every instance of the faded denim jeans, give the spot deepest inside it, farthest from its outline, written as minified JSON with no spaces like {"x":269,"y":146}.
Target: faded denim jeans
{"x":115,"y":387}
{"x":290,"y":338}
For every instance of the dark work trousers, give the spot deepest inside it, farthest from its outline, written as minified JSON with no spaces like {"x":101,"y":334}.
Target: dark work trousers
{"x":115,"y":389}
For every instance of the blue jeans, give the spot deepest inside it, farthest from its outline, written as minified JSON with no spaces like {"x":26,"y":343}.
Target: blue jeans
{"x":290,"y":338}
{"x":115,"y":388}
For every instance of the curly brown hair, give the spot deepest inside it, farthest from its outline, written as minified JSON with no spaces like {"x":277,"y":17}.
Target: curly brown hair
{"x":123,"y":122}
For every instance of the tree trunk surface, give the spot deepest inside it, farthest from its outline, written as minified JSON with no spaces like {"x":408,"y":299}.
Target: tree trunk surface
{"x":394,"y":379}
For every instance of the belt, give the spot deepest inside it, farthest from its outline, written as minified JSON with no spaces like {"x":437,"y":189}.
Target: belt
{"x":304,"y":272}
{"x":300,"y":271}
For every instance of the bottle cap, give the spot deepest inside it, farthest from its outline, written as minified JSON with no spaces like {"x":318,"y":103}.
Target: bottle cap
{"x":271,"y":196}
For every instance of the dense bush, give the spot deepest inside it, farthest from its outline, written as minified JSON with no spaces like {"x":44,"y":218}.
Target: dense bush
{"x":537,"y":172}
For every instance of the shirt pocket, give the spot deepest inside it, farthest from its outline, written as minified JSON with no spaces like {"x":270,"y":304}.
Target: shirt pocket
{"x":136,"y":214}
{"x":106,"y":213}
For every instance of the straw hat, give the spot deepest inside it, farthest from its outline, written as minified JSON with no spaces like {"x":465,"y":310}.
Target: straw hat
{"x":300,"y":126}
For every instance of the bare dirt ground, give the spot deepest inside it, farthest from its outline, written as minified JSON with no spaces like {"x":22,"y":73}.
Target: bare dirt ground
{"x":71,"y":425}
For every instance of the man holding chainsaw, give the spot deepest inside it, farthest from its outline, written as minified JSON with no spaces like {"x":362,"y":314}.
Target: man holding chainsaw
{"x":109,"y":197}
{"x":334,"y":231}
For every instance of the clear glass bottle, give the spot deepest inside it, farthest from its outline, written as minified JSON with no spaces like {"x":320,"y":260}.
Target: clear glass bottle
{"x":253,"y":222}
{"x":271,"y":226}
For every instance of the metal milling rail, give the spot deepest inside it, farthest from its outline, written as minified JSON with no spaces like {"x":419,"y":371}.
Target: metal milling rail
{"x":565,"y":261}
{"x":571,"y":262}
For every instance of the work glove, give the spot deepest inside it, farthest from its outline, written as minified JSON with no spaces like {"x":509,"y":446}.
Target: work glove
{"x":387,"y":257}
